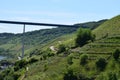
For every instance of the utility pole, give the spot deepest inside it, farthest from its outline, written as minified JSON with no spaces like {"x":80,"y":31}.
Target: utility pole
{"x":23,"y":39}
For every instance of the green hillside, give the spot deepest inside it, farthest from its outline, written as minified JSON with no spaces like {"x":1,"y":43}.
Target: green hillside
{"x":58,"y":65}
{"x":109,"y":28}
{"x":107,"y":37}
{"x":61,"y":59}
{"x":10,"y":44}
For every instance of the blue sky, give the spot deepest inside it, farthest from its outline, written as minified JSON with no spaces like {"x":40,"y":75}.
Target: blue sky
{"x":55,"y":11}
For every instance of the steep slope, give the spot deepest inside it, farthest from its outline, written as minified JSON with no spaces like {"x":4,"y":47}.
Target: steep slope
{"x":107,"y":39}
{"x":58,"y":65}
{"x":109,"y":28}
{"x":47,"y":65}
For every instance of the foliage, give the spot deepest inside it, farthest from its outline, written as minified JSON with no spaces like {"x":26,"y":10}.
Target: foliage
{"x":69,"y":60}
{"x":8,"y":78}
{"x":49,"y":52}
{"x":9,"y":74}
{"x":101,"y":64}
{"x":61,"y":48}
{"x":20,"y":64}
{"x":45,"y":67}
{"x":69,"y":75}
{"x":83,"y":59}
{"x":32,"y":60}
{"x":35,"y":52}
{"x":83,"y":36}
{"x":112,"y":76}
{"x":116,"y":54}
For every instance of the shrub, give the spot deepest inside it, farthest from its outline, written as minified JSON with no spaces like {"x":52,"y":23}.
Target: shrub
{"x":45,"y":67}
{"x":20,"y":64}
{"x":32,"y":60}
{"x":69,"y":75}
{"x":83,"y":36}
{"x":101,"y":64}
{"x":44,"y":56}
{"x":112,"y":76}
{"x":61,"y":48}
{"x":16,"y":76}
{"x":8,"y":78}
{"x":116,"y":54}
{"x":83,"y":59}
{"x":84,"y":77}
{"x":69,"y":60}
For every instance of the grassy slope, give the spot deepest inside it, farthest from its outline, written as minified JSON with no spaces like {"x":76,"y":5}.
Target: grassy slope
{"x":108,"y":37}
{"x":57,"y":65}
{"x":105,"y":45}
{"x":110,"y":28}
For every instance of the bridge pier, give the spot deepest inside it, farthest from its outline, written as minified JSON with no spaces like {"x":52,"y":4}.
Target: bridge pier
{"x":23,"y":39}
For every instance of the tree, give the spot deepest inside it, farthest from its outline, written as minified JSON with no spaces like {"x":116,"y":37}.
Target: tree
{"x":20,"y":64}
{"x":112,"y":76}
{"x":69,"y":75}
{"x":116,"y":54}
{"x":101,"y":64}
{"x":69,"y":60}
{"x":61,"y":48}
{"x":83,"y":59}
{"x":83,"y":36}
{"x":32,"y":60}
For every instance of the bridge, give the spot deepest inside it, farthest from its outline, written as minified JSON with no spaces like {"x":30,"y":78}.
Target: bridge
{"x":33,"y":23}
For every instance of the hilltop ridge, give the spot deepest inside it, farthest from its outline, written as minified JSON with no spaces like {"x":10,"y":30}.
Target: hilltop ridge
{"x":109,"y":28}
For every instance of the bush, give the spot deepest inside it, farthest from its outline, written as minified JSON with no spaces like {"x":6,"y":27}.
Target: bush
{"x":69,"y":60}
{"x":44,"y":56}
{"x":112,"y":76}
{"x":16,"y":76}
{"x":69,"y":75}
{"x":61,"y":48}
{"x":8,"y":78}
{"x":20,"y":64}
{"x":83,"y":59}
{"x":101,"y":64}
{"x":83,"y":36}
{"x":45,"y":67}
{"x":32,"y":60}
{"x":116,"y":54}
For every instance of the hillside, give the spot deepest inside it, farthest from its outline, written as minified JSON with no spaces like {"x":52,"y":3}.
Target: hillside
{"x":10,"y":44}
{"x":109,"y":28}
{"x":71,"y":63}
{"x":92,"y":25}
{"x":58,"y":65}
{"x":107,"y":37}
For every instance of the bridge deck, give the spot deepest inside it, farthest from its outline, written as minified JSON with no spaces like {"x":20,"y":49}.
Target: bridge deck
{"x":34,"y":23}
